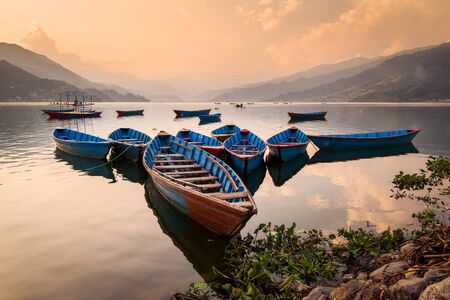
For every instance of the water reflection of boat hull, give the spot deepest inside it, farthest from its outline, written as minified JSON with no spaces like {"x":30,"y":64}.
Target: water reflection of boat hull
{"x":88,"y":166}
{"x":324,"y":156}
{"x":254,"y":179}
{"x":202,"y":247}
{"x":129,"y":170}
{"x":283,"y":171}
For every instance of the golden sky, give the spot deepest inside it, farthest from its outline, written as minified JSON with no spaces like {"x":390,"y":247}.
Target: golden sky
{"x":226,"y":41}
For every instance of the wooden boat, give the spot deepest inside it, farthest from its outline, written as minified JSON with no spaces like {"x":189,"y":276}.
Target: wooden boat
{"x":378,"y":139}
{"x":126,"y":113}
{"x":129,"y":143}
{"x":198,"y":184}
{"x":245,"y":151}
{"x":74,"y":114}
{"x":191,"y":113}
{"x":80,"y":143}
{"x":210,"y":118}
{"x":317,"y":115}
{"x":46,"y":111}
{"x":204,"y":142}
{"x":288,"y":144}
{"x":224,"y":132}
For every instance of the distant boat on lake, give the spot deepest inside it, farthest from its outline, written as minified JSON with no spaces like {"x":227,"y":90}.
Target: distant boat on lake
{"x":46,"y":111}
{"x":126,"y":113}
{"x":74,"y":114}
{"x":212,"y":118}
{"x":368,"y":140}
{"x":198,"y":184}
{"x":191,"y":113}
{"x":317,"y":115}
{"x":80,"y":143}
{"x":129,"y":142}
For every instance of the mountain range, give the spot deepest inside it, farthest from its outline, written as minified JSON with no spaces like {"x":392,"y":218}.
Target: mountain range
{"x":412,"y":75}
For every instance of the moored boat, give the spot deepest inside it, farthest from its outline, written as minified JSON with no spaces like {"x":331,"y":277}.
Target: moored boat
{"x":74,"y":114}
{"x":317,"y":115}
{"x":129,"y":142}
{"x":245,"y":151}
{"x":80,"y":143}
{"x":46,"y":111}
{"x":379,"y":139}
{"x":126,"y":113}
{"x":198,"y":184}
{"x":210,"y":118}
{"x":224,"y":132}
{"x":288,"y":144}
{"x":204,"y":142}
{"x":191,"y":113}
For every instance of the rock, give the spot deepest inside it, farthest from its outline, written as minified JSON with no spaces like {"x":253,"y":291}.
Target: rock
{"x":409,"y":288}
{"x":363,"y":262}
{"x":347,"y":277}
{"x":319,"y":293}
{"x":362,"y":276}
{"x":437,"y":291}
{"x":300,"y":287}
{"x":389,"y":270}
{"x":410,"y":273}
{"x":409,"y":249}
{"x":360,"y":290}
{"x":434,"y":275}
{"x":348,"y":290}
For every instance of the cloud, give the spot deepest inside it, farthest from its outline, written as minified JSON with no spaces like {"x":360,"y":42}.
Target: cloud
{"x":268,"y":13}
{"x":369,"y":28}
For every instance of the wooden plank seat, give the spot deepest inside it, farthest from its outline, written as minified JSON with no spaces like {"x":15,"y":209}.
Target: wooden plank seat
{"x":165,"y":148}
{"x":196,"y":143}
{"x":175,"y":167}
{"x":127,"y":140}
{"x":246,"y":146}
{"x":169,"y":155}
{"x":191,"y":173}
{"x":197,"y":179}
{"x":229,"y":196}
{"x":187,"y":139}
{"x":209,"y":186}
{"x":165,"y":161}
{"x":244,"y":151}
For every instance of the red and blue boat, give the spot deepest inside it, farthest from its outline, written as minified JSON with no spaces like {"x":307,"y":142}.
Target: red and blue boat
{"x":224,"y":132}
{"x":198,"y":184}
{"x":46,"y":111}
{"x":127,"y":113}
{"x":129,"y":142}
{"x":379,"y":139}
{"x":204,"y":142}
{"x":81,"y":144}
{"x":74,"y":114}
{"x":317,"y":115}
{"x":287,"y":144}
{"x":245,"y":151}
{"x":191,"y":113}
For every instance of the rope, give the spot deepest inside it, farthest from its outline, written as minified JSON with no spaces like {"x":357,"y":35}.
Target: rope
{"x":110,"y":161}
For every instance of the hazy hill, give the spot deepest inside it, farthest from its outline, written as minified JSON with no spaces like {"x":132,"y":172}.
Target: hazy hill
{"x":422,"y":75}
{"x":17,"y":84}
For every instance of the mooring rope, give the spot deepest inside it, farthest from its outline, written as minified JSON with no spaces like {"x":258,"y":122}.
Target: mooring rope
{"x":110,"y":161}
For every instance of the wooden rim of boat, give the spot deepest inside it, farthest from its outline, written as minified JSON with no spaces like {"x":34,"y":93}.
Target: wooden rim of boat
{"x":184,"y":186}
{"x":287,"y":145}
{"x":246,"y":156}
{"x":409,"y":132}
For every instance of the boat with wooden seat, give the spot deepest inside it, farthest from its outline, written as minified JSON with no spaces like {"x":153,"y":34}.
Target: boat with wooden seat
{"x":198,"y":184}
{"x":127,"y":113}
{"x":204,"y":142}
{"x":80,"y":143}
{"x":210,"y":118}
{"x":191,"y":113}
{"x":224,"y":132}
{"x":379,"y":139}
{"x":74,"y":114}
{"x":317,"y":115}
{"x":129,"y":143}
{"x":287,"y":144}
{"x":245,"y":151}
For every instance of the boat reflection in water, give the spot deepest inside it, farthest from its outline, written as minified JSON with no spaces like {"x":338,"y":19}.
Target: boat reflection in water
{"x":283,"y":171}
{"x":255,"y":178}
{"x":204,"y":122}
{"x":129,"y":170}
{"x":88,"y":166}
{"x":202,"y":247}
{"x":324,"y":156}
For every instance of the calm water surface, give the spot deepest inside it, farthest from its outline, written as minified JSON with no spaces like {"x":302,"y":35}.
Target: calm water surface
{"x":72,"y":233}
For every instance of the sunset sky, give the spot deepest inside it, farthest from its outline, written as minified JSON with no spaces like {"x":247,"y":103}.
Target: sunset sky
{"x":224,"y":42}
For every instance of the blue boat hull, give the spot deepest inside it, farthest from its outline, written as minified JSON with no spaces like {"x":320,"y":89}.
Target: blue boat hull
{"x":57,"y":110}
{"x":133,"y":153}
{"x":245,"y":166}
{"x":344,"y":143}
{"x":308,"y":116}
{"x":191,"y":113}
{"x":84,"y":149}
{"x":210,"y":118}
{"x":287,"y":153}
{"x":129,"y":143}
{"x":127,"y":113}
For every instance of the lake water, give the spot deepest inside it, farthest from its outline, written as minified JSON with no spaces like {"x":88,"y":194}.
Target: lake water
{"x":71,"y":233}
